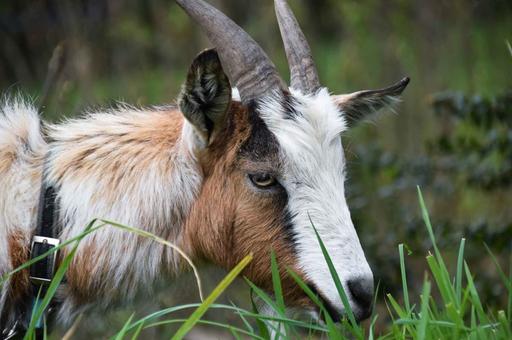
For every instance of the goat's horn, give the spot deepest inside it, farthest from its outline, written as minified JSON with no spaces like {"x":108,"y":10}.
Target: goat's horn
{"x":243,"y":60}
{"x":303,"y":72}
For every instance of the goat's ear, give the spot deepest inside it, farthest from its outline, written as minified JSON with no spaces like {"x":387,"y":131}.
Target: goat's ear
{"x":358,"y":105}
{"x":206,"y":94}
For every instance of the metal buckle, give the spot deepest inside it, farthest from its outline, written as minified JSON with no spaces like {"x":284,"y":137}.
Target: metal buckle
{"x":11,"y":332}
{"x":54,"y":242}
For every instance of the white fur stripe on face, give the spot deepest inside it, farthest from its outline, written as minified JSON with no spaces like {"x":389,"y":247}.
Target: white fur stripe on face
{"x":313,"y":175}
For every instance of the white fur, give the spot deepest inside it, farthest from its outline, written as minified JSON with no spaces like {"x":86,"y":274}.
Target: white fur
{"x":314,"y":175}
{"x":235,"y":95}
{"x":19,"y":184}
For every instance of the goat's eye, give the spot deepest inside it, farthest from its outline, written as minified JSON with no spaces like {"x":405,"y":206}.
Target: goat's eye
{"x":263,"y":180}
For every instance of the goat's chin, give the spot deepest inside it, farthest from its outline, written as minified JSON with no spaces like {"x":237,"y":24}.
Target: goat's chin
{"x":311,"y":313}
{"x":316,"y":315}
{"x":319,"y":318}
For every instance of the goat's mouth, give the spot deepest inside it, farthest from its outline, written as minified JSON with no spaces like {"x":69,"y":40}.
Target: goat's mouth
{"x":335,"y":315}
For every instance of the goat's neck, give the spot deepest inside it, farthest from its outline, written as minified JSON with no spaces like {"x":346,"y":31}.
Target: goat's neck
{"x":136,"y":170}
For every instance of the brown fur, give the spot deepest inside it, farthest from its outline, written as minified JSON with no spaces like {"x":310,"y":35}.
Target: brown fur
{"x":143,"y":139}
{"x":124,"y":153}
{"x":8,"y":157}
{"x":80,"y":274}
{"x":231,"y":220}
{"x":18,"y":253}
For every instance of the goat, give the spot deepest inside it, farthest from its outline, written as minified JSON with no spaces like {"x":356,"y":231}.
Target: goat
{"x":242,"y":165}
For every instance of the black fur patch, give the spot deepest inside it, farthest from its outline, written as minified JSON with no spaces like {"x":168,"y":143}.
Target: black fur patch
{"x":290,"y":103}
{"x":288,"y":217}
{"x":262,"y":145}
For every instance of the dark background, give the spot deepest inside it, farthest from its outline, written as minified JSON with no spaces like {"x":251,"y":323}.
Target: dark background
{"x":452,"y":134}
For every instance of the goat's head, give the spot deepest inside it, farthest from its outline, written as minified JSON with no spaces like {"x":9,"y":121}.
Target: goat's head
{"x":273,"y":161}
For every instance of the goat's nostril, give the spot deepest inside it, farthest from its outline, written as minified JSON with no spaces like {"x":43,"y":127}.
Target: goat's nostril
{"x":362,"y":292}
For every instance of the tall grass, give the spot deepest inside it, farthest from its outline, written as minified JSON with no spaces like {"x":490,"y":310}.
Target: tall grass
{"x":457,"y":312}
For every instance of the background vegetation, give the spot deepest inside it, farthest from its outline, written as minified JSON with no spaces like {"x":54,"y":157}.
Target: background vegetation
{"x":452,"y":134}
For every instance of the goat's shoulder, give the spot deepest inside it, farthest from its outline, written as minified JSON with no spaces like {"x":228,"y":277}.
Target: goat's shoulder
{"x":114,"y":138}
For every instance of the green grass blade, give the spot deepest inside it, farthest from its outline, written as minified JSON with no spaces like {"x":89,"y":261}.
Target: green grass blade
{"x":473,"y":322}
{"x":455,"y":316}
{"x":505,"y":325}
{"x":337,"y":283}
{"x":402,"y":314}
{"x":88,"y":230}
{"x":509,"y":305}
{"x":207,"y":322}
{"x":404,"y":277}
{"x":276,"y":282}
{"x":221,"y":287}
{"x":162,"y":313}
{"x":506,"y":282}
{"x":444,"y":277}
{"x":45,"y":331}
{"x":136,"y":334}
{"x":261,"y":325}
{"x":371,"y":335}
{"x":262,"y":295}
{"x":52,"y":288}
{"x":166,"y":311}
{"x":54,"y":284}
{"x":374,"y":303}
{"x":121,"y":334}
{"x":278,"y":293}
{"x":424,"y":317}
{"x":289,"y":321}
{"x":243,"y":318}
{"x":333,"y":331}
{"x":475,"y":299}
{"x":396,"y":306}
{"x":234,"y":333}
{"x":268,"y":301}
{"x":166,"y":243}
{"x":458,"y":276}
{"x":441,"y":281}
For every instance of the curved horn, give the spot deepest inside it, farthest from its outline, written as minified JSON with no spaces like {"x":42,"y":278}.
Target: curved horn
{"x":303,"y":72}
{"x":245,"y":63}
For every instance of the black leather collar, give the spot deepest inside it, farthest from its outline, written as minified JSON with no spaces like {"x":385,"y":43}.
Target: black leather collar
{"x":41,"y":272}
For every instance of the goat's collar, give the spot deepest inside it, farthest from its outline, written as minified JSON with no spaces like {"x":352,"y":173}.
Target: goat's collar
{"x":44,"y":239}
{"x":42,"y":271}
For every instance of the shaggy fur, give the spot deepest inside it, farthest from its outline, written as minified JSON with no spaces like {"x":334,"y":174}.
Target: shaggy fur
{"x":130,"y":166}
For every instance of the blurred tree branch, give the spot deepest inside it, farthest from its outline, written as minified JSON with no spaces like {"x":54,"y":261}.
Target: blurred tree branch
{"x":55,"y":67}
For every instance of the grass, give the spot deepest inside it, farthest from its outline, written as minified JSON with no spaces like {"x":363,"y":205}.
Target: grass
{"x":449,"y":306}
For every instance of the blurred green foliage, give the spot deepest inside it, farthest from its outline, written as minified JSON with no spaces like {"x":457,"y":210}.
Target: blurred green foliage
{"x":477,"y":138}
{"x":466,"y":167}
{"x":452,"y":136}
